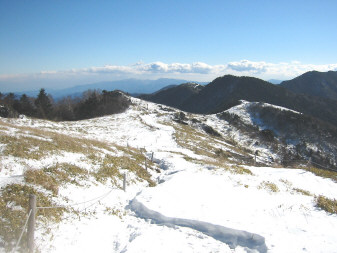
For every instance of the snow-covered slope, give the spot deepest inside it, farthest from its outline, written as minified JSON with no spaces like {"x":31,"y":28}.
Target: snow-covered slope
{"x":290,"y":137}
{"x":205,"y":188}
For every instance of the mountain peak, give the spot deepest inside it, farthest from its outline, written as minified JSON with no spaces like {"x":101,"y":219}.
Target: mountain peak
{"x":314,"y":83}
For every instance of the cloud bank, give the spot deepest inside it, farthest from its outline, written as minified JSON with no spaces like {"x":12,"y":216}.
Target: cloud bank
{"x":197,"y":71}
{"x":244,"y":67}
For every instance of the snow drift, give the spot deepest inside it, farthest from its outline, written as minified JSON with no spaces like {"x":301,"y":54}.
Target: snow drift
{"x":230,"y":236}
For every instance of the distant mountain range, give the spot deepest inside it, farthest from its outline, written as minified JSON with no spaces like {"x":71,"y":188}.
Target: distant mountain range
{"x":275,"y":81}
{"x":131,"y":86}
{"x":227,"y":91}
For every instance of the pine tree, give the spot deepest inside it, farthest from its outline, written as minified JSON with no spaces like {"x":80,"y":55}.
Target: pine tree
{"x":43,"y":105}
{"x":25,"y":106}
{"x":88,"y":108}
{"x":9,"y":99}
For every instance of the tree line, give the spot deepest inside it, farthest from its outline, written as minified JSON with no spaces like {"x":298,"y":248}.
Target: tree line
{"x":92,"y":103}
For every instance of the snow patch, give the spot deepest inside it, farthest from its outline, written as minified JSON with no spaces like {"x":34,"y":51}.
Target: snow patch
{"x":229,"y":236}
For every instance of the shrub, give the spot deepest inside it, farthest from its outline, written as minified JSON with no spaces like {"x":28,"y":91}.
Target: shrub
{"x":267,"y":135}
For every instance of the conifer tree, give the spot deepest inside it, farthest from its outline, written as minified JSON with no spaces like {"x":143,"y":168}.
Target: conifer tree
{"x":43,"y":105}
{"x":25,"y":106}
{"x":9,"y":99}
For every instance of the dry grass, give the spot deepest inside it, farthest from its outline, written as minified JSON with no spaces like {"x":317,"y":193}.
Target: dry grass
{"x":67,"y":173}
{"x":51,"y":178}
{"x":3,"y":128}
{"x":286,"y":182}
{"x":39,"y":177}
{"x":111,"y":166}
{"x":14,"y":201}
{"x":31,"y":143}
{"x":268,"y":186}
{"x":203,"y":144}
{"x":200,"y":143}
{"x":303,"y":192}
{"x":35,"y":148}
{"x":323,"y":173}
{"x":240,"y":170}
{"x":194,"y":140}
{"x":24,"y":147}
{"x":109,"y":169}
{"x":14,"y":209}
{"x":223,"y":164}
{"x":114,"y":211}
{"x":221,"y":154}
{"x":328,"y":205}
{"x":193,"y":160}
{"x":14,"y":198}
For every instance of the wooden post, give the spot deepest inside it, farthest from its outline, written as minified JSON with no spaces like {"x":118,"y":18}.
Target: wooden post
{"x":124,"y":182}
{"x":31,"y":223}
{"x":145,"y":164}
{"x":152,"y":157}
{"x":255,"y":154}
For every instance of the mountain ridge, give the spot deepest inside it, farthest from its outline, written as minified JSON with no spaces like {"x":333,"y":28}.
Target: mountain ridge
{"x":180,"y":93}
{"x":226,"y":91}
{"x":314,"y":83}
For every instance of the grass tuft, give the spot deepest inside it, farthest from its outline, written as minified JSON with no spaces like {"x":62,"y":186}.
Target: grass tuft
{"x":323,"y":173}
{"x":114,"y":211}
{"x":39,"y":177}
{"x":326,"y":204}
{"x":301,"y":191}
{"x":268,"y":186}
{"x":241,"y":170}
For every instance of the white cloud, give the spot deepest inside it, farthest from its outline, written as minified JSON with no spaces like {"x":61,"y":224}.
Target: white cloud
{"x":281,"y":70}
{"x":244,"y":67}
{"x":154,"y":67}
{"x":197,"y":71}
{"x":248,"y":66}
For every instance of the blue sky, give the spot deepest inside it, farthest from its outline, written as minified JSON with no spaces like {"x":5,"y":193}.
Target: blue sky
{"x":63,"y":43}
